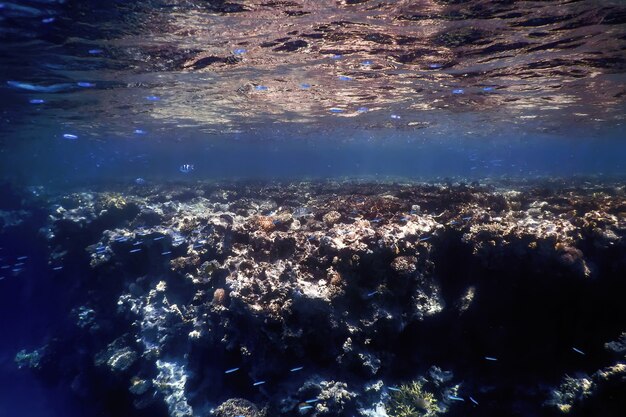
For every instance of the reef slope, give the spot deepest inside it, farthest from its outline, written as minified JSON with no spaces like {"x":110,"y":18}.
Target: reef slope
{"x":331,"y":299}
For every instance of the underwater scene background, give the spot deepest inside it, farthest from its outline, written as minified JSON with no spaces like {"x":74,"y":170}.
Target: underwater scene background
{"x":359,"y":208}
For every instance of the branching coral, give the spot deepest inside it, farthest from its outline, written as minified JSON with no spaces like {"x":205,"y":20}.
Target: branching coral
{"x":411,"y":400}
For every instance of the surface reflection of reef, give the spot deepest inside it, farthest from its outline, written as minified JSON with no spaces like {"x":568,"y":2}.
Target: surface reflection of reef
{"x":222,"y":65}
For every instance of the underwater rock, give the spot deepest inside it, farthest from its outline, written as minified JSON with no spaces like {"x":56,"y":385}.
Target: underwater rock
{"x":331,"y":217}
{"x":334,"y":398}
{"x":85,"y":317}
{"x":265,"y":223}
{"x":327,"y":398}
{"x":618,"y":346}
{"x":12,"y":218}
{"x":322,"y":292}
{"x":238,"y":407}
{"x":584,"y":394}
{"x":170,"y":382}
{"x":570,"y":392}
{"x":117,"y":356}
{"x":404,"y":264}
{"x":32,"y":360}
{"x":139,"y":386}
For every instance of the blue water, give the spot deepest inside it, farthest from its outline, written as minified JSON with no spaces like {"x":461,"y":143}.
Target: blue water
{"x":155,"y":157}
{"x":107,"y":92}
{"x":29,"y":317}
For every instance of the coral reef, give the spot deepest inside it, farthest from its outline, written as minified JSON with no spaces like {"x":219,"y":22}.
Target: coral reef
{"x":411,"y":400}
{"x":317,"y":299}
{"x":24,"y":359}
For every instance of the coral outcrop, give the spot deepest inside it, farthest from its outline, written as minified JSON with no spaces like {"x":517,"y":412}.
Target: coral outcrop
{"x":320,"y":299}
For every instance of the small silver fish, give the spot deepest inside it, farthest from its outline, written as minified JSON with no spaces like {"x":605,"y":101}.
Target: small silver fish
{"x":24,"y":10}
{"x":186,"y":168}
{"x":54,"y":88}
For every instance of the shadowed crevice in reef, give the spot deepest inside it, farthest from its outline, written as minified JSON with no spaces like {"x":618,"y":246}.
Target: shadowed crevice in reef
{"x":183,"y":297}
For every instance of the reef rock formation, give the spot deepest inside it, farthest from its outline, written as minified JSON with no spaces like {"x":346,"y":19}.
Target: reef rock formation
{"x":325,"y":299}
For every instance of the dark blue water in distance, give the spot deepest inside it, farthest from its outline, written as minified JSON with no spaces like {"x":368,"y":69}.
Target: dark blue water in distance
{"x":396,"y":155}
{"x":124,"y":93}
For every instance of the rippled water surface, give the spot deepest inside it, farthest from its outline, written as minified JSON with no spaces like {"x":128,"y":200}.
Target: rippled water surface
{"x":282,"y":70}
{"x":364,"y":71}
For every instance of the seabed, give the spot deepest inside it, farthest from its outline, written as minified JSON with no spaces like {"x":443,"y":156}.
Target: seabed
{"x":327,"y":298}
